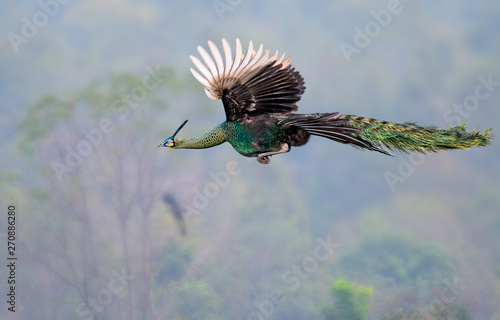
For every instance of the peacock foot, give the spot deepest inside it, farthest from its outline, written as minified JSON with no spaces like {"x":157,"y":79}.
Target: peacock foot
{"x":263,"y":159}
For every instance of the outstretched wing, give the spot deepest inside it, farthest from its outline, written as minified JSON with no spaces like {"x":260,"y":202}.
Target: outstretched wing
{"x":249,"y":84}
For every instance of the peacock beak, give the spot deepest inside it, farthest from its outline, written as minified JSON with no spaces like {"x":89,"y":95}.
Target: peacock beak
{"x":169,"y":142}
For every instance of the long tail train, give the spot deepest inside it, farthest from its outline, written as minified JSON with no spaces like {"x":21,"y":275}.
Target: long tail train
{"x":379,"y":135}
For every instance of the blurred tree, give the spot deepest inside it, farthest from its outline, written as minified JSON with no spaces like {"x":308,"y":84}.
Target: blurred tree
{"x":99,"y":215}
{"x":97,"y":199}
{"x":450,"y":312}
{"x":197,"y":301}
{"x":407,"y":273}
{"x":397,"y":260}
{"x":349,"y":303}
{"x":173,"y":262}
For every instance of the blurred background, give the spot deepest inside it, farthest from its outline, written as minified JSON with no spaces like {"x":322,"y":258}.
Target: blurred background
{"x":108,"y":226}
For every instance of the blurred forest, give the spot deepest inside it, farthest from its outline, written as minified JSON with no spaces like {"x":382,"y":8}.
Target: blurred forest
{"x":111,"y":227}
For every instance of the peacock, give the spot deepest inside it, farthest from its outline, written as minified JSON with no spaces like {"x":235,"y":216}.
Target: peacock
{"x":260,"y":95}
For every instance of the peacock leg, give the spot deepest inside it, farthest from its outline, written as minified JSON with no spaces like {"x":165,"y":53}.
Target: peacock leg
{"x":264,"y":157}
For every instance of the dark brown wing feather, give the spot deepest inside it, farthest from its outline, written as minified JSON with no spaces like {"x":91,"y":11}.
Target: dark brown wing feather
{"x":271,"y":90}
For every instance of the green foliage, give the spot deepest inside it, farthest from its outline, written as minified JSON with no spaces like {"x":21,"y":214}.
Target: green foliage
{"x":105,"y":183}
{"x":41,"y":117}
{"x":449,"y":312}
{"x":350,"y":303}
{"x":197,"y":301}
{"x":113,"y":97}
{"x":174,"y":260}
{"x":397,"y":260}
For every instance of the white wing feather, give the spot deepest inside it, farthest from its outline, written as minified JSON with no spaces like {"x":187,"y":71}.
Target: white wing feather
{"x":227,"y":55}
{"x":218,"y":58}
{"x":248,"y":67}
{"x":208,"y":61}
{"x":201,"y":68}
{"x":217,"y":74}
{"x":200,"y":78}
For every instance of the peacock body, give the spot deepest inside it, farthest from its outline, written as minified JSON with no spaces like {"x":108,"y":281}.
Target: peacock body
{"x":260,"y":95}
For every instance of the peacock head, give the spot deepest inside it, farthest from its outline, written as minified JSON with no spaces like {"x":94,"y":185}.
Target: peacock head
{"x":170,"y":141}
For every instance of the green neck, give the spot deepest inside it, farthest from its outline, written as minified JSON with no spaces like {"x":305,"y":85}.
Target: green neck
{"x":210,"y":139}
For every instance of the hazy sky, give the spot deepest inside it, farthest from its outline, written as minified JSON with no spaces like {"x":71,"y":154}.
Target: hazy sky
{"x":431,"y":62}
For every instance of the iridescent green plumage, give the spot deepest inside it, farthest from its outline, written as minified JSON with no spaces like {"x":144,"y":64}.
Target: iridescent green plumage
{"x":259,"y":94}
{"x":410,"y":137}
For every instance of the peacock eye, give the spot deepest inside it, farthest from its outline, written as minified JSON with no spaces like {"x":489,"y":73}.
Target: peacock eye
{"x":169,"y":143}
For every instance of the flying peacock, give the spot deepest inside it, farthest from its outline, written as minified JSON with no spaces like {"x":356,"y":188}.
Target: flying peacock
{"x":260,"y":95}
